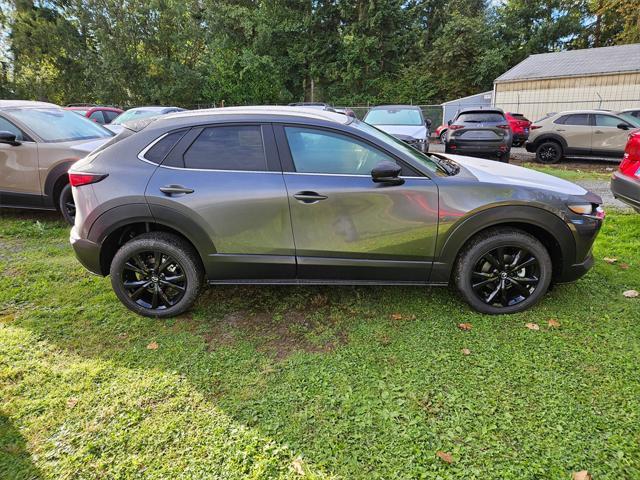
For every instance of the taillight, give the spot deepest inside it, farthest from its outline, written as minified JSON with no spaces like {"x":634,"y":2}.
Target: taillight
{"x":504,"y":127}
{"x":535,"y":127}
{"x":630,"y":164}
{"x":77,"y":179}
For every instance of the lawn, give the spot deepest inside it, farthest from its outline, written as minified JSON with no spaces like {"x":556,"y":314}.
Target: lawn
{"x":326,"y":382}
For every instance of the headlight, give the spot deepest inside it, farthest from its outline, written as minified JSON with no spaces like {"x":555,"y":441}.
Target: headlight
{"x":587,"y":209}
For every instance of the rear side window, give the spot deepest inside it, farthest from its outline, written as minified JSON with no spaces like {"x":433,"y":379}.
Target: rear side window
{"x":575,"y":119}
{"x":97,"y":117}
{"x":228,"y":148}
{"x":481,"y":117}
{"x":162,"y":147}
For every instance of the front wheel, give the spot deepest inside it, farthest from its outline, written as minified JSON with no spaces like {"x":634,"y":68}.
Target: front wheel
{"x":503,"y":271}
{"x":156,"y":275}
{"x":66,"y":205}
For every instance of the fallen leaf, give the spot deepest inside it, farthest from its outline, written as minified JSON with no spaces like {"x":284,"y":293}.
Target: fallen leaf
{"x":396,"y":316}
{"x":610,"y":259}
{"x":465,"y":326}
{"x":532,"y":326}
{"x":553,"y":323}
{"x":152,"y":346}
{"x":631,"y":293}
{"x":466,"y":351}
{"x":624,"y":266}
{"x":444,"y":456}
{"x":297,"y":466}
{"x":71,"y":402}
{"x":581,"y":475}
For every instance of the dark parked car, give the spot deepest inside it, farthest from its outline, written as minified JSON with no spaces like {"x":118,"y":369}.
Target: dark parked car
{"x":96,"y":113}
{"x":625,"y":183}
{"x":219,"y":196}
{"x":404,"y":122}
{"x":483,"y":132}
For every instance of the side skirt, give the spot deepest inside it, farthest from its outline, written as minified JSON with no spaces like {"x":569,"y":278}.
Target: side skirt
{"x":305,"y":281}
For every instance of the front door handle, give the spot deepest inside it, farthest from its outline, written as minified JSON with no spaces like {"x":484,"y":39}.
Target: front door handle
{"x":598,"y":131}
{"x":175,"y":189}
{"x":309,"y":197}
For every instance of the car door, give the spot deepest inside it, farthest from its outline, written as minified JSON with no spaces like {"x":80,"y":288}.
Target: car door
{"x":345,"y":226}
{"x":577,"y":130}
{"x":227,"y":179}
{"x":19,"y":177}
{"x":608,"y":139}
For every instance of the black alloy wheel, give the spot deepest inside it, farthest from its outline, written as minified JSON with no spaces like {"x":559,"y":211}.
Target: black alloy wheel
{"x":154,"y":280}
{"x":548,"y":153}
{"x":505,"y":276}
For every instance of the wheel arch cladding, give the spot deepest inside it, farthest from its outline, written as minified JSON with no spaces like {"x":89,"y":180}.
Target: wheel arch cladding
{"x":56,"y":178}
{"x":551,"y":137}
{"x":547,"y":227}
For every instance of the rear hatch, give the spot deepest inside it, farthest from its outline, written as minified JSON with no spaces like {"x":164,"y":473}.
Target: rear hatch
{"x":480,"y":127}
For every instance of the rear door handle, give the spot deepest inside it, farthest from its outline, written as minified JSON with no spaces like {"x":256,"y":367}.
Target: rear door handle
{"x":309,"y":197}
{"x":175,"y":189}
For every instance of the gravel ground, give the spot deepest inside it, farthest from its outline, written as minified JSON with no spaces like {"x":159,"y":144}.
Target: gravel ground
{"x":600,"y":187}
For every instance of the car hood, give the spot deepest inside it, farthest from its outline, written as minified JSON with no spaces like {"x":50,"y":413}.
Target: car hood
{"x":83,"y":147}
{"x":502,"y":173}
{"x":404,"y":131}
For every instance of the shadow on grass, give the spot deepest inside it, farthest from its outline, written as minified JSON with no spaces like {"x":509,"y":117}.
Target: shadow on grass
{"x":15,"y":461}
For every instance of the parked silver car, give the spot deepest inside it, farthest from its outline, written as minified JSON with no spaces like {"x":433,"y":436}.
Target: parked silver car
{"x":404,"y":122}
{"x":287,"y":195}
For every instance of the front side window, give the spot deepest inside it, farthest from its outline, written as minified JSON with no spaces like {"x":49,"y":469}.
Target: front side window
{"x":608,"y":121}
{"x":7,"y":126}
{"x":228,"y":148}
{"x":58,"y":125}
{"x":394,"y":116}
{"x":319,"y":151}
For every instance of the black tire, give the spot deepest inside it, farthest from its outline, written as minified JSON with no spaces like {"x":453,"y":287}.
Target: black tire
{"x":443,"y":137}
{"x":549,"y":152}
{"x":504,"y":156}
{"x":66,"y":204}
{"x":496,"y":290}
{"x":143,"y":263}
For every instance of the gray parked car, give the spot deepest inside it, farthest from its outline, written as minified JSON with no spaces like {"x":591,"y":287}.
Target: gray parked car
{"x":405,"y":122}
{"x":484,"y":132}
{"x":286,"y":195}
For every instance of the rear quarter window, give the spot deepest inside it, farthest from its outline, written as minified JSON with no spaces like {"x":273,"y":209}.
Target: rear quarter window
{"x":162,"y":147}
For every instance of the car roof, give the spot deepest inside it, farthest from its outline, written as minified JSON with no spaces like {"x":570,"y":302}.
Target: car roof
{"x":592,"y":110}
{"x":395,"y":107}
{"x":26,"y":104}
{"x":301,"y":112}
{"x":481,"y":110}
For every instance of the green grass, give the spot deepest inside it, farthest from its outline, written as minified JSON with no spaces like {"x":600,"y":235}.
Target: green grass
{"x":271,"y":382}
{"x":572,"y":173}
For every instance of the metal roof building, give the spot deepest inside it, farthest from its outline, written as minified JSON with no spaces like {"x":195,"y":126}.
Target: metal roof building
{"x":607,"y":78}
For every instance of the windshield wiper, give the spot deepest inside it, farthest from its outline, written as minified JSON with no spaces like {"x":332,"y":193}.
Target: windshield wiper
{"x":447,"y":165}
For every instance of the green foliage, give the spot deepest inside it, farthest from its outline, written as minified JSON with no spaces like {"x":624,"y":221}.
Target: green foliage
{"x":189,"y":52}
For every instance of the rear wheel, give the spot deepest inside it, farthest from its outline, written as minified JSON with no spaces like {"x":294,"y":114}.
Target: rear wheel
{"x":66,"y":205}
{"x":443,"y":137}
{"x":549,"y":152}
{"x":503,"y":271}
{"x":156,"y":275}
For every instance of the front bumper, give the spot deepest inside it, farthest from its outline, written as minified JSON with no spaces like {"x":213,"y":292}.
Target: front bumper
{"x":87,"y":252}
{"x":576,"y":271}
{"x":626,"y":189}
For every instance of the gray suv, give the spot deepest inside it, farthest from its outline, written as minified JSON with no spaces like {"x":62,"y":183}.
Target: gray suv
{"x":484,"y":132}
{"x":286,"y":195}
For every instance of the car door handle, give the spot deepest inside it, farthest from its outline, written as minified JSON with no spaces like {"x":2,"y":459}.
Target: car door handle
{"x":598,"y":131}
{"x":559,"y":129}
{"x":309,"y":197}
{"x":174,"y":189}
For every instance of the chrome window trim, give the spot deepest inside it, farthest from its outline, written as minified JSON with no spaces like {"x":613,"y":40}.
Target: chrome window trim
{"x":146,"y":149}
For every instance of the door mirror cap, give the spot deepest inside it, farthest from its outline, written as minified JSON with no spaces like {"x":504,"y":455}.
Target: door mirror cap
{"x":428,"y":122}
{"x":623,"y":126}
{"x":387,"y":172}
{"x":9,"y":138}
{"x":449,"y":122}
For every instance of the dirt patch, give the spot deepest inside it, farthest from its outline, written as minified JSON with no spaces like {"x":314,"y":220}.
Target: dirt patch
{"x":280,"y":335}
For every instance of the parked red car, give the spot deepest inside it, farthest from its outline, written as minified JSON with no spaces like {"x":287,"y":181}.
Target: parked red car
{"x":520,"y":128}
{"x":441,"y":133}
{"x":101,"y":115}
{"x":625,"y":183}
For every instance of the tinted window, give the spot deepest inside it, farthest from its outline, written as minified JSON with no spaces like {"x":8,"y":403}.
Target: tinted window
{"x":110,"y":116}
{"x":481,"y":117}
{"x":519,"y":116}
{"x":608,"y":121}
{"x":227,"y":148}
{"x":97,"y":117}
{"x":162,"y":147}
{"x":7,"y":126}
{"x":577,"y":119}
{"x":317,"y":151}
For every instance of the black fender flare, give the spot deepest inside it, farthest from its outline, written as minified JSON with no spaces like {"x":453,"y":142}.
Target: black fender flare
{"x":450,"y":244}
{"x":55,"y":174}
{"x":551,"y":136}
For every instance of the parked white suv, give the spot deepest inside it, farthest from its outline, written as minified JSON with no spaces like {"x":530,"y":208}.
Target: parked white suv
{"x":580,"y":133}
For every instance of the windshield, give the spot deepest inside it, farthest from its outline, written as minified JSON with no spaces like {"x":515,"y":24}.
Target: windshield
{"x":394,"y":116}
{"x":136,"y":114}
{"x":630,"y":118}
{"x":431,"y":163}
{"x":58,"y":125}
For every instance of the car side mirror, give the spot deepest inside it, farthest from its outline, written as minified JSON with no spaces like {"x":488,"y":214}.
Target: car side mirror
{"x":387,"y":172}
{"x":9,"y":138}
{"x":623,"y":126}
{"x":428,"y":122}
{"x":449,"y":122}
